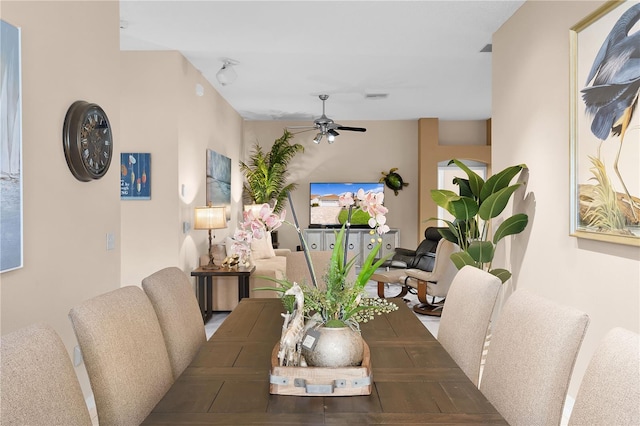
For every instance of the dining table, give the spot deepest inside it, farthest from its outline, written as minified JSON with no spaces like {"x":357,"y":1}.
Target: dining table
{"x":415,"y":381}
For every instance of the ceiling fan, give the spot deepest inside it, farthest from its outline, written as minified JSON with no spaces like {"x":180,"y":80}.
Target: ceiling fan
{"x":327,"y":127}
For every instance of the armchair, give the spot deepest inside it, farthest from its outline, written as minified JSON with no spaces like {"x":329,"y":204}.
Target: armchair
{"x":422,"y":257}
{"x":433,"y":283}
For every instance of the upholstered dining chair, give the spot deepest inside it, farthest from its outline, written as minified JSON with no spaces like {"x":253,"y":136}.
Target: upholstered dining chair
{"x":173,"y":298}
{"x":466,"y":316}
{"x":39,"y":385}
{"x":609,"y":393}
{"x":297,"y":269}
{"x":530,"y":359}
{"x":124,"y":353}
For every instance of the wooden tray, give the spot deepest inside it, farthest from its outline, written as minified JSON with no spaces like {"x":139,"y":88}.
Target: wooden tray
{"x":320,"y":381}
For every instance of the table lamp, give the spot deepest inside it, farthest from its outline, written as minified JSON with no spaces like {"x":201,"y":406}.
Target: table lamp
{"x":210,"y":218}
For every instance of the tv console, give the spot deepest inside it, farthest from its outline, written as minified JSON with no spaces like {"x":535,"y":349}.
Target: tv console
{"x":360,"y":241}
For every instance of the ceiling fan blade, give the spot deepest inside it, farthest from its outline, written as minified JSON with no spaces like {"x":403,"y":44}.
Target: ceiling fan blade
{"x":352,"y":129}
{"x":302,"y":130}
{"x":301,"y":127}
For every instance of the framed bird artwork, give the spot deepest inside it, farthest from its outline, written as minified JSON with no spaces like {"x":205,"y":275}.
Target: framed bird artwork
{"x":605,"y":124}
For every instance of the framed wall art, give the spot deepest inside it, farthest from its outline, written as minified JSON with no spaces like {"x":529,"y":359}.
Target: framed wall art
{"x":605,"y":124}
{"x":219,"y":181}
{"x":135,"y":176}
{"x":11,"y":218}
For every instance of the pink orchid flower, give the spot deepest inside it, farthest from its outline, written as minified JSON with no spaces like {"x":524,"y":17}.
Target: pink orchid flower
{"x":346,"y":200}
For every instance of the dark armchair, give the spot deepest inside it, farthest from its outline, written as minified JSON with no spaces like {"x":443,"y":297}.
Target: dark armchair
{"x":422,"y":257}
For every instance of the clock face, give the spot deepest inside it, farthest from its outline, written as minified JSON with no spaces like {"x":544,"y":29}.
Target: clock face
{"x":87,"y":141}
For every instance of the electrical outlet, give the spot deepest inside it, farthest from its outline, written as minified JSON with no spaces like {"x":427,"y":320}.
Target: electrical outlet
{"x":77,"y":356}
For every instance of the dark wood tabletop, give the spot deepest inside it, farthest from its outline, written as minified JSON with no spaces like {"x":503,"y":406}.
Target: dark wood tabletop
{"x":415,"y":380}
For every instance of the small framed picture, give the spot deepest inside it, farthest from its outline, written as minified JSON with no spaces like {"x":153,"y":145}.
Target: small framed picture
{"x":135,"y":176}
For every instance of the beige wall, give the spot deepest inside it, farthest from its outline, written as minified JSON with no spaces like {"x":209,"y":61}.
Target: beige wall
{"x":352,"y":157}
{"x":65,"y":57}
{"x":531,"y":125}
{"x":150,"y":98}
{"x":162,"y":115}
{"x":363,"y":156}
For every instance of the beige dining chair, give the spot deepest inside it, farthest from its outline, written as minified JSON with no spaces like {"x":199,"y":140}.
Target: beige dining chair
{"x":297,"y":269}
{"x":173,"y":298}
{"x":124,"y":353}
{"x":39,"y":384}
{"x":609,"y":393}
{"x":466,"y":316}
{"x":530,"y":359}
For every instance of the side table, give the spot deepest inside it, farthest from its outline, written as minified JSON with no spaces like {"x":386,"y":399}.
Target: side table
{"x":204,"y":288}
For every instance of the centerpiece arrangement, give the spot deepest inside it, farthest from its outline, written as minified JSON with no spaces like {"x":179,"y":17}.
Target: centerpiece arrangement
{"x":322,"y":323}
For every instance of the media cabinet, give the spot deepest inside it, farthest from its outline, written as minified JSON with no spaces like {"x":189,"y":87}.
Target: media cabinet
{"x":361,"y":241}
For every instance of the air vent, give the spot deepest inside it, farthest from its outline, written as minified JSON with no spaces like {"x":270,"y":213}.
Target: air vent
{"x":375,"y":95}
{"x":487,"y":49}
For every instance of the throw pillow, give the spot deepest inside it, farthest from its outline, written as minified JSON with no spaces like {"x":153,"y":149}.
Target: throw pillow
{"x":262,"y":248}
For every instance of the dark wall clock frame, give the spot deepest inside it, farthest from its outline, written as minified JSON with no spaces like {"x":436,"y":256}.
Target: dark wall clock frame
{"x":87,"y":141}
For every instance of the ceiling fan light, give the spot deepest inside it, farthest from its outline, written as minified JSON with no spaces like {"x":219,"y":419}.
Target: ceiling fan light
{"x":227,"y":74}
{"x":330,"y":137}
{"x":318,"y":138}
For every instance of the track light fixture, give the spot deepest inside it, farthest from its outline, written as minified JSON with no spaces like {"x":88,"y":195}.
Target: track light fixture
{"x":227,"y":75}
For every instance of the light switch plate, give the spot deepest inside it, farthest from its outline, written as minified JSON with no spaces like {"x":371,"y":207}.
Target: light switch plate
{"x":111,"y":241}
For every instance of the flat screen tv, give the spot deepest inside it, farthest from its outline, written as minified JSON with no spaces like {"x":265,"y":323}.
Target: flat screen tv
{"x":324,"y":209}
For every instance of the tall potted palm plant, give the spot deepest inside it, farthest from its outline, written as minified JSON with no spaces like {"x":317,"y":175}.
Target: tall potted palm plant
{"x":266,"y":172}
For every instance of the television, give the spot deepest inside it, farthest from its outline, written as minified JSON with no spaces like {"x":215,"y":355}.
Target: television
{"x":325,"y":210}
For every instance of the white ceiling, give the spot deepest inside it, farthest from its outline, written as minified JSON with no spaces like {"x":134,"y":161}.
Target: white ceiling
{"x":424,"y":54}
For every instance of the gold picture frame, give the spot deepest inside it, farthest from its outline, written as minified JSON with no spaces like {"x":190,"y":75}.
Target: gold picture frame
{"x":605,"y":124}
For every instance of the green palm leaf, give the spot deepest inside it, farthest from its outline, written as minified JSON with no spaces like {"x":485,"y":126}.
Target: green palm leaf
{"x":462,"y":258}
{"x":513,"y":225}
{"x":500,"y":180}
{"x":496,"y":202}
{"x":475,"y":181}
{"x":503,"y":274}
{"x":481,"y":251}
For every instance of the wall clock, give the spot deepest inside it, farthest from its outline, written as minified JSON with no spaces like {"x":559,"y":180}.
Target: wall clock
{"x":87,"y":141}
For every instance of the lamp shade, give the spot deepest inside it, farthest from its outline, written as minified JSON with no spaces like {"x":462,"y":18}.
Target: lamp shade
{"x":210,"y":218}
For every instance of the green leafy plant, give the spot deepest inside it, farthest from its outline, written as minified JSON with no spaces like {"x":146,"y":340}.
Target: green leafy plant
{"x":477,"y":203}
{"x":266,"y":172}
